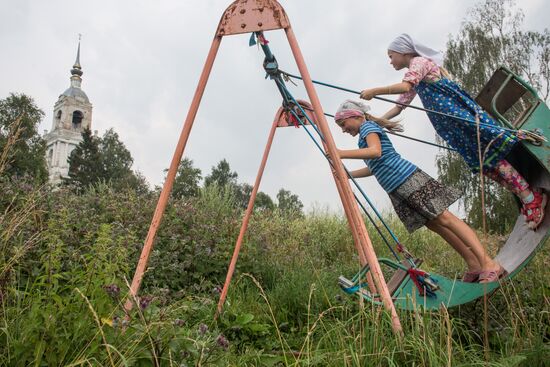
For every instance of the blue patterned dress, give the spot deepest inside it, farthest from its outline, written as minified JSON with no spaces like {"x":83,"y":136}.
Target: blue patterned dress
{"x":443,"y":95}
{"x":447,"y":97}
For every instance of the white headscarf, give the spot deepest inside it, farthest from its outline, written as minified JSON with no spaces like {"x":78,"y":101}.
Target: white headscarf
{"x":404,"y":44}
{"x":350,"y":104}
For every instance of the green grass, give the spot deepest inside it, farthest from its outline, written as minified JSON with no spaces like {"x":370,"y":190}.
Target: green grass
{"x":66,"y":261}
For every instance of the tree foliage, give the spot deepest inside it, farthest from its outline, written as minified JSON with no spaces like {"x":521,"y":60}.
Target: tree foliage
{"x":22,"y":149}
{"x":221,"y":175}
{"x":187,"y":180}
{"x":492,"y":36}
{"x":262,"y":202}
{"x":86,"y":163}
{"x":117,"y":160}
{"x":225,"y":179}
{"x":289,"y":203}
{"x":104,"y":159}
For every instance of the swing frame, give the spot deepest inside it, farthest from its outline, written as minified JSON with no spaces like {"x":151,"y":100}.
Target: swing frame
{"x":246,"y":16}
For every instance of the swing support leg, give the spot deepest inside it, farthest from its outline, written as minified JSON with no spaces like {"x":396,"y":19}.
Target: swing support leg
{"x":170,"y":177}
{"x":246,"y":218}
{"x":358,"y":241}
{"x":349,"y":205}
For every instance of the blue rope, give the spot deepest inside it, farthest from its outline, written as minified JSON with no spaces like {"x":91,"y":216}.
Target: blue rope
{"x":283,"y":87}
{"x":409,"y":137}
{"x":404,"y":104}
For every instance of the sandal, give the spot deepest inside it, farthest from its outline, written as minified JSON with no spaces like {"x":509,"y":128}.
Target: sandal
{"x":471,"y":276}
{"x":534,"y":211}
{"x":491,"y":275}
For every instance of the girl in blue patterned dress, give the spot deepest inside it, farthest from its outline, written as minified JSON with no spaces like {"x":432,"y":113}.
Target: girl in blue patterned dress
{"x":418,"y":199}
{"x":438,"y":92}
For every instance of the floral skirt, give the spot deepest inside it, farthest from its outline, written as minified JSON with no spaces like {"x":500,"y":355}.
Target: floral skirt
{"x":420,"y":199}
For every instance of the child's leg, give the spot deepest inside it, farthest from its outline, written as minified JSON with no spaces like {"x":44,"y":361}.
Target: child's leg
{"x":463,"y":239}
{"x":507,"y":176}
{"x":463,"y":250}
{"x":534,"y":202}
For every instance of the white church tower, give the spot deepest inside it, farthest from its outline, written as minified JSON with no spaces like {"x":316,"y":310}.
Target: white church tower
{"x":72,"y":114}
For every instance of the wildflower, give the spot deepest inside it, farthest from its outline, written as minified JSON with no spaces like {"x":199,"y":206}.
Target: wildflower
{"x":179,"y":322}
{"x":217,"y":289}
{"x":112,"y":290}
{"x":222,"y":342}
{"x":203,"y":329}
{"x":144,"y":302}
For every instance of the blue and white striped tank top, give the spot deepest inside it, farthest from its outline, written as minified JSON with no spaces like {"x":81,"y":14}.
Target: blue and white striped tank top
{"x":390,"y":169}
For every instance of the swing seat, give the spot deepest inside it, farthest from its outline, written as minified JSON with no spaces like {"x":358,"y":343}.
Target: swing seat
{"x":405,"y":294}
{"x":393,"y":284}
{"x":400,"y":276}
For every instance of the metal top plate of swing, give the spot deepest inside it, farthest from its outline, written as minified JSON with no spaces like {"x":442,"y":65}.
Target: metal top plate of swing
{"x":246,"y":16}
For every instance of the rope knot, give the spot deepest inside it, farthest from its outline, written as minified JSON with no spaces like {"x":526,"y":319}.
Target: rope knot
{"x":425,"y":285}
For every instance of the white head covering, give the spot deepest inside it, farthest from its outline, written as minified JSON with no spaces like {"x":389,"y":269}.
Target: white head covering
{"x":404,"y":44}
{"x":350,"y":104}
{"x":351,"y":108}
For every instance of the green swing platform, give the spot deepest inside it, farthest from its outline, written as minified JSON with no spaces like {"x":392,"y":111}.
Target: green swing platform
{"x":515,"y":105}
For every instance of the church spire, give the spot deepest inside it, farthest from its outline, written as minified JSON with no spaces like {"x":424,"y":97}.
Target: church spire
{"x":76,"y":71}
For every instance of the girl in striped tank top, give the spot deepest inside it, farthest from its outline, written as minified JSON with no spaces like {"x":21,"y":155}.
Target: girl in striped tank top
{"x":418,"y":199}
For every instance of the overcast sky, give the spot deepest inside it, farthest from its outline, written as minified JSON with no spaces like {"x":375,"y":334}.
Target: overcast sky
{"x":142,"y":60}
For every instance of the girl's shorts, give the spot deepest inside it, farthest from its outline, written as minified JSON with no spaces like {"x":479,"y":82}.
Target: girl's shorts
{"x":420,"y":199}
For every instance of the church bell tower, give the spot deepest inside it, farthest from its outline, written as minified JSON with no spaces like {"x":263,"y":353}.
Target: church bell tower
{"x":72,"y":114}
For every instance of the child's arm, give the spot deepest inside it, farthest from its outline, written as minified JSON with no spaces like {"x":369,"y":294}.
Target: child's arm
{"x":361,"y":172}
{"x":392,"y":112}
{"x":374,"y":149}
{"x":398,"y":88}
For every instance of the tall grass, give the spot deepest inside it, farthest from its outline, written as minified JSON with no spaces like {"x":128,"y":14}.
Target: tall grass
{"x":66,"y":260}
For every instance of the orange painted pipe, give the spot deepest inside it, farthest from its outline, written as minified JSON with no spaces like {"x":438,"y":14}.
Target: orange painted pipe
{"x":358,"y":225}
{"x":169,"y":182}
{"x":246,"y":219}
{"x":359,"y":243}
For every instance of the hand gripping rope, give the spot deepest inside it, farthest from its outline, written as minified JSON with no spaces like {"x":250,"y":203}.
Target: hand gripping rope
{"x":534,"y":137}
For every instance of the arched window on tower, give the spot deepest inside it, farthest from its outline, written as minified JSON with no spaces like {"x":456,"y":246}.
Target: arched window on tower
{"x":58,"y":119}
{"x":77,"y":119}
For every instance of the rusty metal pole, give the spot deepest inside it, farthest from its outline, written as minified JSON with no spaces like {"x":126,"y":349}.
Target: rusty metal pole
{"x":358,"y":225}
{"x":169,"y":182}
{"x":361,"y":248}
{"x":246,"y":218}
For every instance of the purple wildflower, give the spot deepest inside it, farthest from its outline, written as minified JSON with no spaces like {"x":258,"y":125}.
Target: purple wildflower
{"x":222,"y":342}
{"x":112,"y":290}
{"x":144,"y":302}
{"x":203,"y":329}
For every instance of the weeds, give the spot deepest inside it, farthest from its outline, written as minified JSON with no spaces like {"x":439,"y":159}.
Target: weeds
{"x":66,"y":257}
